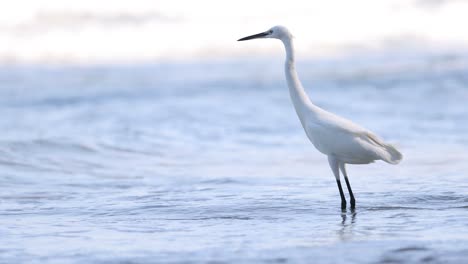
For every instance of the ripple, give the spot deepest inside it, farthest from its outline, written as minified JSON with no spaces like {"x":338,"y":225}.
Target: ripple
{"x":411,"y":248}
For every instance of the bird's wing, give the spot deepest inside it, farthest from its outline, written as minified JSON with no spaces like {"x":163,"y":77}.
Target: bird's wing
{"x":337,"y":123}
{"x":353,"y":137}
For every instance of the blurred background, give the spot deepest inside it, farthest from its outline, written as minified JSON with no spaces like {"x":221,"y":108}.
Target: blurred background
{"x":142,"y":132}
{"x":53,"y":31}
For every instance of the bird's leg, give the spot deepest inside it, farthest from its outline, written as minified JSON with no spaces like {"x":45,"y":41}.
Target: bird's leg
{"x":334,"y":165}
{"x":343,"y":170}
{"x":343,"y":199}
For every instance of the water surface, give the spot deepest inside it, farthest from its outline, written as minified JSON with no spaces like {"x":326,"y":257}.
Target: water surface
{"x":196,"y":163}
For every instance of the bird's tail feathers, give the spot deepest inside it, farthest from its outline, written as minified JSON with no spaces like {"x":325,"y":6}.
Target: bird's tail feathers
{"x":389,"y":153}
{"x":393,"y":156}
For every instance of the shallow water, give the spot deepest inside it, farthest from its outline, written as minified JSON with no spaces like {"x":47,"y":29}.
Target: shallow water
{"x":194,"y":163}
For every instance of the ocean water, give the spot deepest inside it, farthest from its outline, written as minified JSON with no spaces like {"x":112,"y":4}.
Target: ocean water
{"x":206,"y":162}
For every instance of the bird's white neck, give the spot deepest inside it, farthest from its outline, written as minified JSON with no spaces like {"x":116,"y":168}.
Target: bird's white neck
{"x":298,"y":95}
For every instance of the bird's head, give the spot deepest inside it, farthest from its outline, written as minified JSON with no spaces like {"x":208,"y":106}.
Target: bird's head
{"x":276,"y":32}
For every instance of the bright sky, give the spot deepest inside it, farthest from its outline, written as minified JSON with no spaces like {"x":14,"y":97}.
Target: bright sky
{"x":148,"y":30}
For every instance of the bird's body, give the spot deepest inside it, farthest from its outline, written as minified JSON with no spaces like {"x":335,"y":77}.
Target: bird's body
{"x":343,"y":141}
{"x":349,"y":143}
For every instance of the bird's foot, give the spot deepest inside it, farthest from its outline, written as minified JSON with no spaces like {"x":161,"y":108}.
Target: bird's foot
{"x":343,"y":205}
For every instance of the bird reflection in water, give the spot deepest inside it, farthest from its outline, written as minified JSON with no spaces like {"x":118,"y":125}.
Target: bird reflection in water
{"x":347,"y":225}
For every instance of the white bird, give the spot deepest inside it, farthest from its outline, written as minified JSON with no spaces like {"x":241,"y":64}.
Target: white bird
{"x":343,"y":141}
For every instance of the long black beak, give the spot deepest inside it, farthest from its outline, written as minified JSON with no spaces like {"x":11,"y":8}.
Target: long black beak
{"x":259,"y":35}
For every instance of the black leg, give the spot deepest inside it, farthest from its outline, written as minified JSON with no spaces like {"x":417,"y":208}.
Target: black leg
{"x":353,"y":201}
{"x":343,"y":199}
{"x":351,"y":195}
{"x":335,"y":167}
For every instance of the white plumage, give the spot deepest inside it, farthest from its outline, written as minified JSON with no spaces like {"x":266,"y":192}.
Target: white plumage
{"x":343,"y":141}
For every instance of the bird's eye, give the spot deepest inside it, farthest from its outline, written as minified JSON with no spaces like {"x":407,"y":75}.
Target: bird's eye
{"x":270,"y":31}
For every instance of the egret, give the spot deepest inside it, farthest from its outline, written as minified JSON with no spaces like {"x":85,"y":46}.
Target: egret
{"x":343,"y":141}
